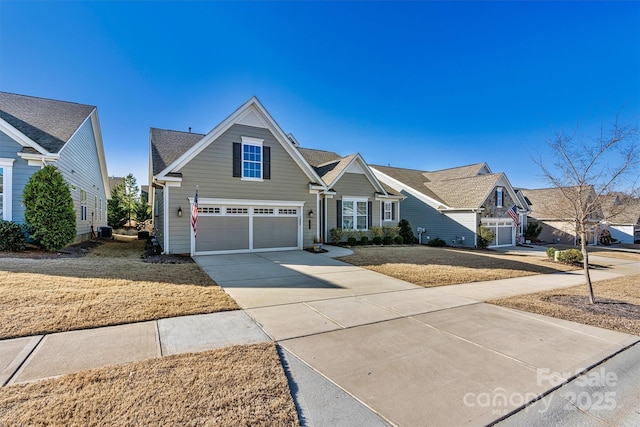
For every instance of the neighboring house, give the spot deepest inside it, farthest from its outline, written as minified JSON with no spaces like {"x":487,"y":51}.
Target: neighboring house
{"x":35,"y":132}
{"x":622,"y":218}
{"x":257,"y":189}
{"x":554,"y":211}
{"x":451,"y":204}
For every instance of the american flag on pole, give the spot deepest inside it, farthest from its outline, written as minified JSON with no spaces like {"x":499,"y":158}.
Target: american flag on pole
{"x":194,"y":216}
{"x":513,"y":213}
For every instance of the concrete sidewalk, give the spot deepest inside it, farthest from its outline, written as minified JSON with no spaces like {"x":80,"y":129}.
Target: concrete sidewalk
{"x":45,"y":356}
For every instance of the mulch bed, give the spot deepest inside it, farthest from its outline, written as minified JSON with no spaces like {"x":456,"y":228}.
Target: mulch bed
{"x":77,"y":250}
{"x":602,"y":306}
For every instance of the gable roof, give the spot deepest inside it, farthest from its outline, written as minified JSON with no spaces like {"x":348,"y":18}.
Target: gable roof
{"x":551,"y":203}
{"x":412,"y":178}
{"x":463,"y":187}
{"x":331,"y":166}
{"x":458,"y":172}
{"x":467,"y":192}
{"x":168,"y":145}
{"x":621,"y":210}
{"x":46,"y":122}
{"x":251,"y":113}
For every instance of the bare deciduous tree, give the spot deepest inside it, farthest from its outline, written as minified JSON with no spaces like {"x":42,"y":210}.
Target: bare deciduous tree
{"x":586,"y":170}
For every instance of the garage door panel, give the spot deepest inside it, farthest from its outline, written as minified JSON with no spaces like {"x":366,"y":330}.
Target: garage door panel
{"x":274,"y":232}
{"x":222,"y":233}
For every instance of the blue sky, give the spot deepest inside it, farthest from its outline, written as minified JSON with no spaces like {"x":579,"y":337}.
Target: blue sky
{"x":425,"y":85}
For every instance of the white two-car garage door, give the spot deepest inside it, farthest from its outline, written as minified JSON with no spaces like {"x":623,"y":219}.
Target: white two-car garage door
{"x":230,"y":228}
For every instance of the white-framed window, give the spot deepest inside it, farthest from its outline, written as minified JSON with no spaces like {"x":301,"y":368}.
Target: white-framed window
{"x":6,"y":175}
{"x":355,"y":214}
{"x":499,"y":197}
{"x":100,"y":210}
{"x":83,"y":205}
{"x":388,"y":211}
{"x":251,"y":158}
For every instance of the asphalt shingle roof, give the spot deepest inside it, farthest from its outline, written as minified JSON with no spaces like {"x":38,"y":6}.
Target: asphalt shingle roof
{"x":168,"y":145}
{"x":551,"y":203}
{"x":47,"y":122}
{"x":318,"y":157}
{"x":621,"y":211}
{"x":463,"y":187}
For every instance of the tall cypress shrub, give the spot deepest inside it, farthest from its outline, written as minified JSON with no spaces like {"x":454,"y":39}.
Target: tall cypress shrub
{"x":48,"y":209}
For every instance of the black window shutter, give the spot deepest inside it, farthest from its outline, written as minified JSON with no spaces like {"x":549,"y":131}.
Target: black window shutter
{"x":393,"y":211}
{"x":382,"y":211}
{"x":266,"y":162}
{"x":339,"y":213}
{"x":237,"y":160}
{"x":369,"y":214}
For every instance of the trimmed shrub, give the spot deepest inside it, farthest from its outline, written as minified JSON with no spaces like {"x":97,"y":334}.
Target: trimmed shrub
{"x":485,"y":237}
{"x":351,"y":241}
{"x":48,"y":209}
{"x":551,"y":252}
{"x":376,"y":231}
{"x":605,"y":238}
{"x":387,"y":240}
{"x":390,"y":232}
{"x":405,"y":231}
{"x":377,"y":240}
{"x":11,"y":236}
{"x":364,"y":240}
{"x":532,"y":231}
{"x":437,"y":242}
{"x":398,"y":240}
{"x":336,"y":235}
{"x":570,"y":256}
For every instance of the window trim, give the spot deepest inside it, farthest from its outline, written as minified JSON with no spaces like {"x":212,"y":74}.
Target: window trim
{"x":256,"y":142}
{"x":7,"y":186}
{"x":354,"y":216}
{"x":83,"y":205}
{"x":499,"y":197}
{"x":388,"y":209}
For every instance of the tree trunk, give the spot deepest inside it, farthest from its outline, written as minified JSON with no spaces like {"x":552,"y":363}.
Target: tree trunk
{"x":585,"y":264}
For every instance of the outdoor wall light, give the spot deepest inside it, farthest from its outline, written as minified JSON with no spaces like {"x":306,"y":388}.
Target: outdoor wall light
{"x":311,"y":214}
{"x":179,"y":211}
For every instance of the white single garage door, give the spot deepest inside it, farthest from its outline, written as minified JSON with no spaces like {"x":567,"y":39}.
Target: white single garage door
{"x":227,"y":228}
{"x":503,"y":229}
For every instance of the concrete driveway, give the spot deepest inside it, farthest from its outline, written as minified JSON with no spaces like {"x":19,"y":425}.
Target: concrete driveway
{"x":414,"y":356}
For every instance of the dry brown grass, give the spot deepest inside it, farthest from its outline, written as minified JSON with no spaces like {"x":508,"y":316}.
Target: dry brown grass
{"x":619,"y":309}
{"x":112,"y":285}
{"x":238,"y":385}
{"x":429,"y":267}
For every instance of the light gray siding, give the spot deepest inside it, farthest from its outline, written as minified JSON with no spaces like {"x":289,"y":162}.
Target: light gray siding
{"x":80,"y":167}
{"x":623,"y":233}
{"x":212,"y":171}
{"x":449,"y":227}
{"x":353,"y":185}
{"x":21,"y":172}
